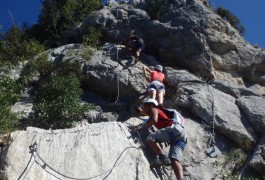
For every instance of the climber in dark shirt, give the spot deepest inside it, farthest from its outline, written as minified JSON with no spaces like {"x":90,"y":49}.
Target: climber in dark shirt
{"x":135,"y":45}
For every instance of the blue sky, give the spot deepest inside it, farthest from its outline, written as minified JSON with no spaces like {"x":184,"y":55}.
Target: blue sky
{"x":250,"y":13}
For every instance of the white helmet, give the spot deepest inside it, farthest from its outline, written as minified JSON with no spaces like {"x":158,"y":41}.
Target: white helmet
{"x":151,"y":101}
{"x":159,"y":68}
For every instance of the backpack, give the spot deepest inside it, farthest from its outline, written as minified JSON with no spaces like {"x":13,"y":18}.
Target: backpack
{"x":174,"y":115}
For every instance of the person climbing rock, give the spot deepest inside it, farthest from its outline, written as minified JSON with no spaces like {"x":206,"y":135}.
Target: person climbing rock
{"x":135,"y":45}
{"x":169,"y":130}
{"x":156,"y":88}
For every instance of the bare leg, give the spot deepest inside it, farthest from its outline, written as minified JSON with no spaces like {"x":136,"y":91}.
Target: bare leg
{"x":138,"y":53}
{"x":160,"y":97}
{"x":155,"y":147}
{"x":178,"y":170}
{"x":152,"y":94}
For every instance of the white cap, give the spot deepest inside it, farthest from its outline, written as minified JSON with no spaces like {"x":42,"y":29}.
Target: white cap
{"x":159,"y":68}
{"x":151,"y":101}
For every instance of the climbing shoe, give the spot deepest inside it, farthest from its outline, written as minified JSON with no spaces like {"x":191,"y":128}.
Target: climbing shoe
{"x":136,"y":60}
{"x":164,"y":160}
{"x":157,"y":161}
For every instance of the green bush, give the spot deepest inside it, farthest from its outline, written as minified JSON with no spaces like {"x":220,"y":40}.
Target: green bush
{"x":92,"y":38}
{"x":235,"y":161}
{"x":9,"y":94}
{"x":57,"y":95}
{"x":16,"y":46}
{"x":87,"y":53}
{"x":57,"y":103}
{"x":58,"y":17}
{"x":231,"y":18}
{"x":39,"y":66}
{"x":8,"y":120}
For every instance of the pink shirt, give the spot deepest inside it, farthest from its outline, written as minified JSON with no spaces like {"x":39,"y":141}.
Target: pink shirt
{"x":157,"y":76}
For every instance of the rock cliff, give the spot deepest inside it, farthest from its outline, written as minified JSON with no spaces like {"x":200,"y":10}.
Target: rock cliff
{"x":213,"y":77}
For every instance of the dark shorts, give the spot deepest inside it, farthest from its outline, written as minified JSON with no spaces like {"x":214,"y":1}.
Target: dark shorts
{"x":155,"y":86}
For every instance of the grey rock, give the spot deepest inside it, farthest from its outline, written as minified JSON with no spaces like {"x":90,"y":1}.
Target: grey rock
{"x":101,"y":150}
{"x":22,"y":108}
{"x":188,"y":34}
{"x":110,"y":76}
{"x":102,"y":147}
{"x":94,"y":116}
{"x":210,"y":104}
{"x":258,"y":159}
{"x":174,"y":77}
{"x":253,"y":107}
{"x":233,"y":89}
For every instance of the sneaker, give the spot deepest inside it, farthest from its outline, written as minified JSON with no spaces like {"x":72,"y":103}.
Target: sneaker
{"x":157,"y":161}
{"x":164,"y":160}
{"x":136,"y":60}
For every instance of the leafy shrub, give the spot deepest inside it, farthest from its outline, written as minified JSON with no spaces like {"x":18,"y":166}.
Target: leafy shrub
{"x":8,"y":120}
{"x":9,"y":94}
{"x":57,"y":95}
{"x":57,"y":102}
{"x":235,"y":161}
{"x":231,"y":18}
{"x":59,"y":17}
{"x":16,"y":46}
{"x":39,"y":66}
{"x":92,"y":38}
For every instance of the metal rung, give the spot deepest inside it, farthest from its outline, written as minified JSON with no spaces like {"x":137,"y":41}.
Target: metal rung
{"x":213,"y":151}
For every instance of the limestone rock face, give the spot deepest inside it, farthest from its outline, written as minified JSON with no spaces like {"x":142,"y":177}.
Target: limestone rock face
{"x":174,"y":77}
{"x":212,"y":105}
{"x":99,"y":151}
{"x":107,"y":150}
{"x":212,"y":75}
{"x":107,"y":71}
{"x":254,"y":109}
{"x":258,"y":159}
{"x":233,"y":89}
{"x":185,"y":33}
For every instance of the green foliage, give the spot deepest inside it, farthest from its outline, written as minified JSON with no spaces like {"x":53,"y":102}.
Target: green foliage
{"x":254,"y":178}
{"x":8,"y":120}
{"x":9,"y":94}
{"x":232,"y":19}
{"x":60,"y":16}
{"x":87,"y":53}
{"x":236,"y":160}
{"x":92,"y":38}
{"x":9,"y":91}
{"x":154,"y":8}
{"x":44,"y":68}
{"x":39,"y":66}
{"x":16,"y":46}
{"x":57,"y":102}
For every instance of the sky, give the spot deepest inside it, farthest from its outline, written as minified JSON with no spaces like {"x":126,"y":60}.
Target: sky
{"x":250,"y":13}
